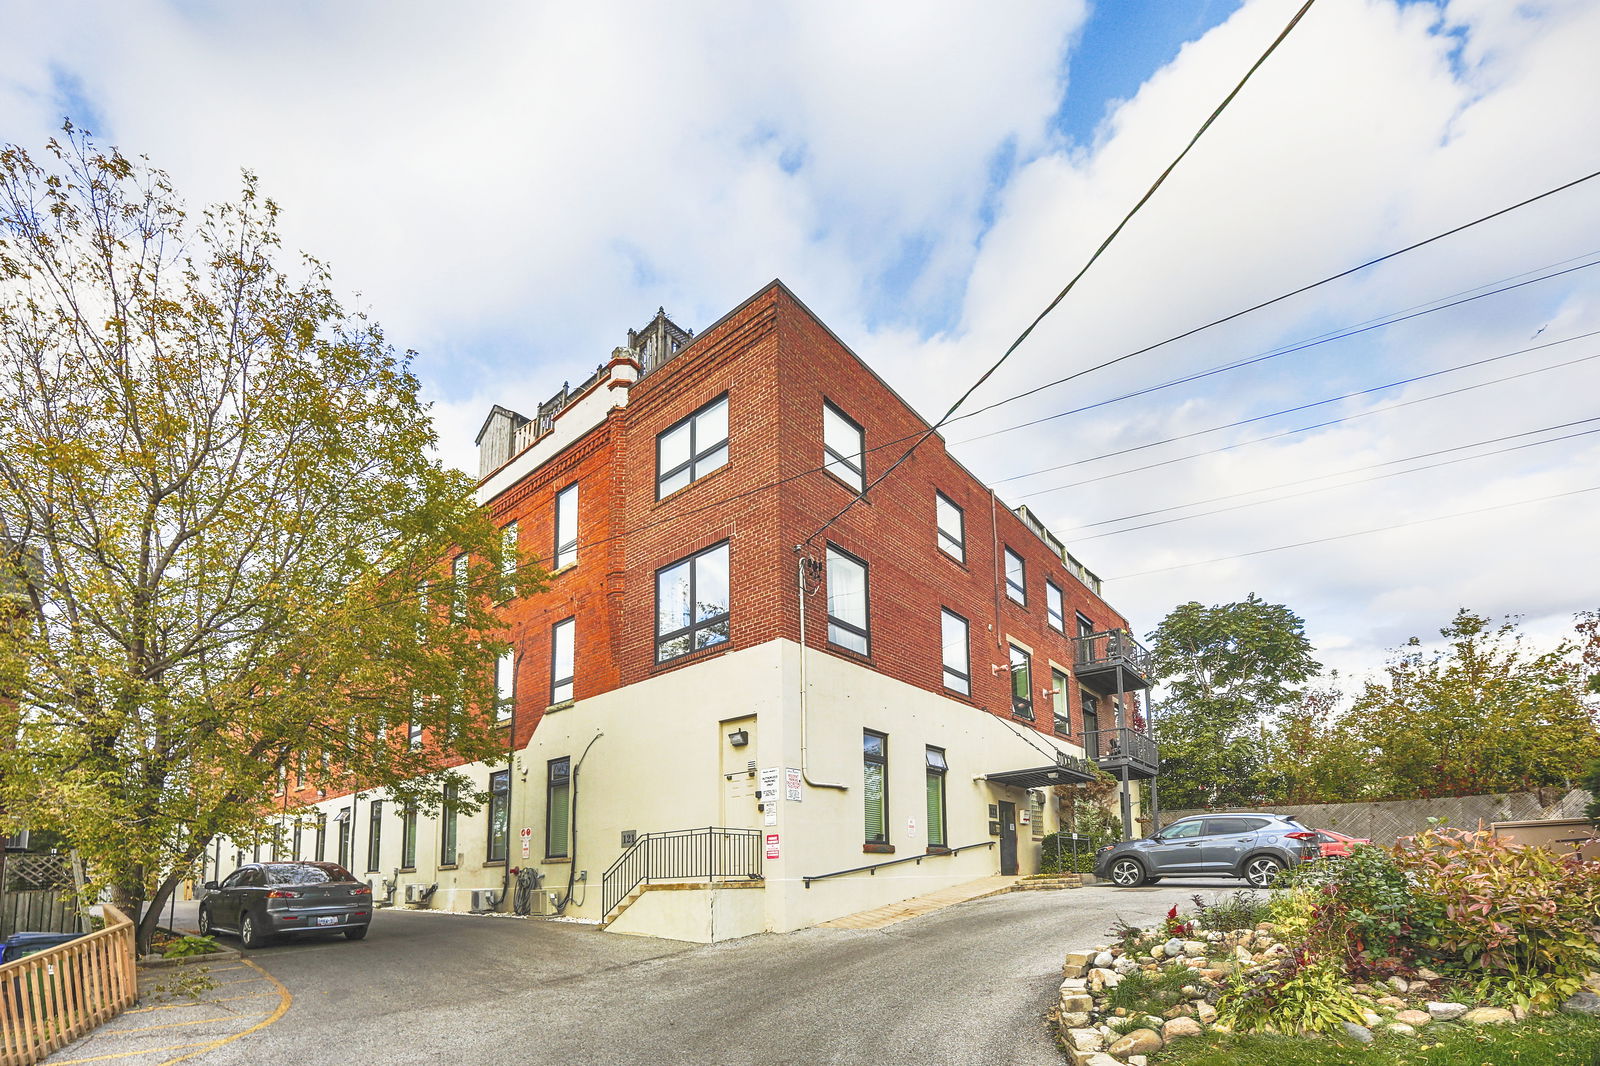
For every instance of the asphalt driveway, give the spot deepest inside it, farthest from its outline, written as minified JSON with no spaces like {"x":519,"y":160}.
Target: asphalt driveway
{"x":968,"y":984}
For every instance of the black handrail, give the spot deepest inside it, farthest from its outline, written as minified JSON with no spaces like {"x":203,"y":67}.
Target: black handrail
{"x":683,"y":855}
{"x":875,"y":867}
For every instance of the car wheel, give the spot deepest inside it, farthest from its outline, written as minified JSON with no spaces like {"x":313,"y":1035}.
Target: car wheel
{"x":356,"y":932}
{"x":249,"y":936}
{"x":1262,"y":870}
{"x":205,"y":921}
{"x":1127,"y":873}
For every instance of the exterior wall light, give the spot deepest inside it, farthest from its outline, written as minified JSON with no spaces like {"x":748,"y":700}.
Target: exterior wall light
{"x":739,"y":738}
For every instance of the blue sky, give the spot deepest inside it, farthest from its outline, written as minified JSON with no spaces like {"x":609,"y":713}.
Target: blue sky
{"x":509,"y":191}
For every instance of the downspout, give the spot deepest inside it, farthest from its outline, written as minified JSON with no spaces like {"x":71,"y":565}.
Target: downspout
{"x":511,"y":776}
{"x":999,"y":573}
{"x":572,"y":864}
{"x":805,"y":684}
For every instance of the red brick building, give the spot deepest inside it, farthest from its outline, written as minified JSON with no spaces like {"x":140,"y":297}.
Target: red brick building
{"x":955,"y":662}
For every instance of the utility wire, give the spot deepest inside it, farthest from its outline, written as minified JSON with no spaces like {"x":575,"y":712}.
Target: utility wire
{"x":1292,"y":293}
{"x":1342,"y":484}
{"x":1023,"y":336}
{"x":1307,"y":429}
{"x":1358,"y":533}
{"x":1312,"y":404}
{"x":1223,"y":368}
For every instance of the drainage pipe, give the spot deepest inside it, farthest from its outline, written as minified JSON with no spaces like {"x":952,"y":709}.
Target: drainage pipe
{"x":805,"y":684}
{"x":572,"y":865}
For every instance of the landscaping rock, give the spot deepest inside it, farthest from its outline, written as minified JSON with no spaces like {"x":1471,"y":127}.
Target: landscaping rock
{"x":1077,"y":962}
{"x":1392,"y":1002}
{"x":1138,"y":1042}
{"x":1415,"y":1018}
{"x":1445,"y":1012}
{"x":1359,"y":1033}
{"x":1072,"y":1019}
{"x":1399,"y":984}
{"x":1205,"y":1012}
{"x":1076,"y":1003}
{"x":1194,"y":947}
{"x":1488,"y":1016}
{"x":1101,"y":979}
{"x":1371,"y":1018}
{"x":1428,"y":975}
{"x":1124,"y":965}
{"x":1401,"y":1029}
{"x":1100,"y":1058}
{"x":1519,"y":1012}
{"x":1159,"y":951}
{"x":1085,"y":1040}
{"x":1582,"y":1003}
{"x":1174,"y":947}
{"x":1102,"y":961}
{"x":1182,"y":1010}
{"x":1179,"y":1027}
{"x":1241,"y":955}
{"x":1074,"y":984}
{"x":1138,"y":1060}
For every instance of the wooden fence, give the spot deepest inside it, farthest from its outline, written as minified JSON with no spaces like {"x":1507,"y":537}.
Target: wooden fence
{"x":52,"y":998}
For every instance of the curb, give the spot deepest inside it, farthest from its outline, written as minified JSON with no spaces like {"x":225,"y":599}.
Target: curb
{"x":222,"y":954}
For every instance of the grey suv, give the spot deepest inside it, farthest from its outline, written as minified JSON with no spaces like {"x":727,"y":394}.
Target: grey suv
{"x":1252,"y":846}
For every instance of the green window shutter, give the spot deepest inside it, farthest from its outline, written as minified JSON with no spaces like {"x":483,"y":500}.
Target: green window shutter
{"x":936,"y":810}
{"x":556,"y":823}
{"x":877,"y":830}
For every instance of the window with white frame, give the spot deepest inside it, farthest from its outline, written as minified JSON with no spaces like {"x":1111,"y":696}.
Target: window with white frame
{"x":843,"y":447}
{"x":847,"y":601}
{"x":1058,"y":702}
{"x":505,"y":684}
{"x":1055,"y":606}
{"x":692,"y":448}
{"x":1021,"y":683}
{"x":562,"y":659}
{"x":692,"y":603}
{"x":1016,"y":578}
{"x":566,"y":552}
{"x":952,"y":524}
{"x":957,"y":652}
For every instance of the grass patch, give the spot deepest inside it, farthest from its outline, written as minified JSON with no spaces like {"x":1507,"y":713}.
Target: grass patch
{"x":1141,"y":992}
{"x":1561,"y":1040}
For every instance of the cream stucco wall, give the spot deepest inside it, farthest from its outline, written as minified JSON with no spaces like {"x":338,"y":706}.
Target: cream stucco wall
{"x":655,"y":756}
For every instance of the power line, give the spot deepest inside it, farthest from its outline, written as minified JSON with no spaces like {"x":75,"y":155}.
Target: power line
{"x":1093,"y":258}
{"x":1326,"y":338}
{"x":1358,"y":533}
{"x":1301,"y":429}
{"x":1288,"y":295}
{"x":1306,"y":406}
{"x":1342,"y":484}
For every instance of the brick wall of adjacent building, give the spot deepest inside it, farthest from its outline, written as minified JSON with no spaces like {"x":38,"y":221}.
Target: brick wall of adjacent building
{"x":776,"y":362}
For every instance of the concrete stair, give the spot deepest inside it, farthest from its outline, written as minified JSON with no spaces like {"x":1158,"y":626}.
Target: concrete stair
{"x":1048,"y":884}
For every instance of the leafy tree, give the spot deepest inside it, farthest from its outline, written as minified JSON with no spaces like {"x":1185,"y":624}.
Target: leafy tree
{"x":1226,"y":670}
{"x":217,"y":510}
{"x":1315,"y":756}
{"x":1483,"y":714}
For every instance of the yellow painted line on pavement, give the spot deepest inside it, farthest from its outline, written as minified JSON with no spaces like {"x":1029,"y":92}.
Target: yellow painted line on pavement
{"x":285,"y":1000}
{"x":127,"y":1054}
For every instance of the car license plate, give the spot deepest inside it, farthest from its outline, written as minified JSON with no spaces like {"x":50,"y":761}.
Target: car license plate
{"x":332,"y":919}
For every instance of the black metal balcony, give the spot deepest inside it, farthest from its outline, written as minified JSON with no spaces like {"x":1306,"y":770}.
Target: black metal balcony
{"x":1112,"y":662}
{"x":1115,"y":750}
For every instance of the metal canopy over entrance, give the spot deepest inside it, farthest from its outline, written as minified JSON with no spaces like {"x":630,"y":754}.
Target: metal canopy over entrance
{"x":1066,"y":771}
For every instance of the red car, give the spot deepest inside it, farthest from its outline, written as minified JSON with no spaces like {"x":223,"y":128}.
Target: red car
{"x":1337,"y":845}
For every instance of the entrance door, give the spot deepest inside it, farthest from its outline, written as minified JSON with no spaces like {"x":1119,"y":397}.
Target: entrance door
{"x":741,"y":788}
{"x":1008,"y":839}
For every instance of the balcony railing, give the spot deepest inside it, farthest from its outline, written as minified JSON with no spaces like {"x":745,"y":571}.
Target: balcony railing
{"x":1116,"y":749}
{"x":1113,"y":649}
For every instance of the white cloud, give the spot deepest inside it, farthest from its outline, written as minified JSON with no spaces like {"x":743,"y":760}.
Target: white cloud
{"x":509,"y":188}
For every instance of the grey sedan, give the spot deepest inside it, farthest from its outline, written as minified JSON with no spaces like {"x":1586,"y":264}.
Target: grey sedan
{"x":1255,"y":847}
{"x":269,"y":899}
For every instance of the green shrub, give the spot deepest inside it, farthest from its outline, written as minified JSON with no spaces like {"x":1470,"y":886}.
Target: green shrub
{"x":185,"y":946}
{"x":1522,"y":916}
{"x":1361,"y":908}
{"x":1241,"y":910}
{"x":1299,"y":992}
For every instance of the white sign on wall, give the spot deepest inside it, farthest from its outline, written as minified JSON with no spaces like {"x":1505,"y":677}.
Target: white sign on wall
{"x":792,"y":780}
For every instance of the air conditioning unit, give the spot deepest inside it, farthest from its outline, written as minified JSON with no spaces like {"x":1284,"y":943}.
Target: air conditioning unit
{"x":18,"y":842}
{"x":416,"y":893}
{"x":485,"y":899}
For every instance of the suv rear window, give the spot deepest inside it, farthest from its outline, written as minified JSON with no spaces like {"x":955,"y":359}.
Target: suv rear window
{"x":1233,"y":826}
{"x":306,"y":873}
